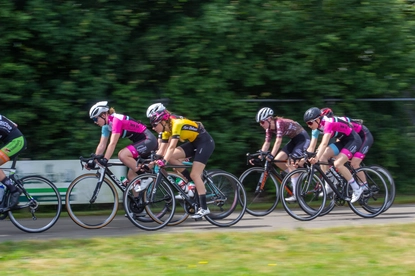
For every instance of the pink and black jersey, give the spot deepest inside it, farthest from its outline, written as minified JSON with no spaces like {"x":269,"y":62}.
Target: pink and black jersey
{"x":337,"y":127}
{"x":126,"y":126}
{"x":356,"y":126}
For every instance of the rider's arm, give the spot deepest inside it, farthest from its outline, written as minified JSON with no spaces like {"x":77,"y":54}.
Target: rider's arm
{"x":172,"y":145}
{"x":313,"y":144}
{"x":111,"y":147}
{"x":162,"y":149}
{"x":323,"y":145}
{"x":314,"y":138}
{"x":265,"y":146}
{"x":277,"y":145}
{"x":102,"y":145}
{"x":267,"y":142}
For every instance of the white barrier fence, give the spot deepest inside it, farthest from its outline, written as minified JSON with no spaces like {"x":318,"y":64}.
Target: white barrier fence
{"x":60,"y":172}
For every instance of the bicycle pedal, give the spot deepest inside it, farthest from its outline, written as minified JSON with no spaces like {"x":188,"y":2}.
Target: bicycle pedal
{"x":198,"y":219}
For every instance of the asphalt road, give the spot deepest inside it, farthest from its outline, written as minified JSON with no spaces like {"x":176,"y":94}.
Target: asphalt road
{"x":278,"y":220}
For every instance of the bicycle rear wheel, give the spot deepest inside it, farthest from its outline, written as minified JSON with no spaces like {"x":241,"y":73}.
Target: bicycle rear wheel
{"x":373,"y":201}
{"x":89,"y":207}
{"x":389,"y":182}
{"x":39,"y":207}
{"x":157,"y":200}
{"x":264,"y":202}
{"x":226,"y":198}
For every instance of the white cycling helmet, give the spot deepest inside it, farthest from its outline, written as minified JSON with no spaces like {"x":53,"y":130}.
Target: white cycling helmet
{"x":98,"y":108}
{"x":263,"y":114}
{"x":154,"y":108}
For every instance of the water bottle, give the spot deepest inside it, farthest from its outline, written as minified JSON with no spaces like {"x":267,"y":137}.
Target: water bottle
{"x":143,"y":185}
{"x":191,"y":189}
{"x":1,"y":192}
{"x":124,"y":180}
{"x":333,"y":175}
{"x":181,"y":183}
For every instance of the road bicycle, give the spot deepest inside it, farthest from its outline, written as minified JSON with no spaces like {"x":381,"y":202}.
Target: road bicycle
{"x":40,"y":203}
{"x":92,"y":199}
{"x":262,"y":185}
{"x":311,"y":183}
{"x":226,"y":198}
{"x":371,"y":208}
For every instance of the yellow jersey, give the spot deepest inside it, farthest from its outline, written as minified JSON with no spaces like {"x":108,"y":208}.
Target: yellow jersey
{"x":181,"y":128}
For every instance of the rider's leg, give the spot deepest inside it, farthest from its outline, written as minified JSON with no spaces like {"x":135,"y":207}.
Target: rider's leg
{"x":355,"y":162}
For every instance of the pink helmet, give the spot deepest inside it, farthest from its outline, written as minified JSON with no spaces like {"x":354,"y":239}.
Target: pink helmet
{"x":326,"y":112}
{"x":157,"y":117}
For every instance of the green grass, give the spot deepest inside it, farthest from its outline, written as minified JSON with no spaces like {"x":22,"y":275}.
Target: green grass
{"x":386,"y":250}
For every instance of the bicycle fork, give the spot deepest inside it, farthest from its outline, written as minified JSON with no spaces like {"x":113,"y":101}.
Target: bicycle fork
{"x":261,"y":183}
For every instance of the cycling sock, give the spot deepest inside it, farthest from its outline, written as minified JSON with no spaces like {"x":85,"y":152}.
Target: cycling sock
{"x":9,"y":184}
{"x":353,"y":184}
{"x":186,"y":174}
{"x":203,"y":203}
{"x":294,"y":183}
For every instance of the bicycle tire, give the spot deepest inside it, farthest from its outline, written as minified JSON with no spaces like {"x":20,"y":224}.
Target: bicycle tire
{"x":40,"y":197}
{"x":226,"y":199}
{"x":317,"y":190}
{"x":305,"y":194}
{"x":262,"y":203}
{"x":373,"y":201}
{"x":390,"y":182}
{"x":180,"y":214}
{"x":78,"y":204}
{"x":158,"y":202}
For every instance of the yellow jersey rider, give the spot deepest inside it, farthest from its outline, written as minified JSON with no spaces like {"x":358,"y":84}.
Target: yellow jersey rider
{"x":198,"y":144}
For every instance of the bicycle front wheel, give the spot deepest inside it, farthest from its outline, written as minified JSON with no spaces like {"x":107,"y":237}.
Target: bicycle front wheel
{"x":264,"y":202}
{"x":226,"y":198}
{"x":157,"y":200}
{"x":90,"y":206}
{"x":303,"y":201}
{"x":39,"y":207}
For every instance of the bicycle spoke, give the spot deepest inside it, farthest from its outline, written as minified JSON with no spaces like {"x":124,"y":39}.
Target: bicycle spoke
{"x":39,"y":206}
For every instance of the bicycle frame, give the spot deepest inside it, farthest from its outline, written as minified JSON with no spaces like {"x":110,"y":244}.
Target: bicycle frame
{"x":105,"y":171}
{"x":192,"y":201}
{"x":12,"y":175}
{"x":268,"y":169}
{"x":317,"y":167}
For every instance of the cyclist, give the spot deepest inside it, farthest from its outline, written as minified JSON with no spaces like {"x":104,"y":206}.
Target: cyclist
{"x":115,"y":126}
{"x":347,"y":143}
{"x":365,"y":135}
{"x":199,"y":144}
{"x":299,"y":140}
{"x":13,"y":142}
{"x":153,"y":109}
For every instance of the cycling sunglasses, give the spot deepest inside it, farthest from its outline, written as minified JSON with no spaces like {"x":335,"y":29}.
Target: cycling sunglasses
{"x":310,"y":123}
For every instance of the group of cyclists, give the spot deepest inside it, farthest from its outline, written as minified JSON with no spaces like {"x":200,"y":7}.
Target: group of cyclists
{"x":353,"y":141}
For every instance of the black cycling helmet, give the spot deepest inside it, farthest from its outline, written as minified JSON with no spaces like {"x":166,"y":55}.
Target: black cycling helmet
{"x":312,"y":114}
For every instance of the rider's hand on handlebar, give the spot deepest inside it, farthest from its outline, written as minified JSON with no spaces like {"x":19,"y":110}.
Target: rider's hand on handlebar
{"x":103,"y":161}
{"x":90,"y":165}
{"x":269,"y":157}
{"x":160,"y":163}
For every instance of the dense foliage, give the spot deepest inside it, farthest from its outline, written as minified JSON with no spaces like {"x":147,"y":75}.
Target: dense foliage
{"x":215,"y":61}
